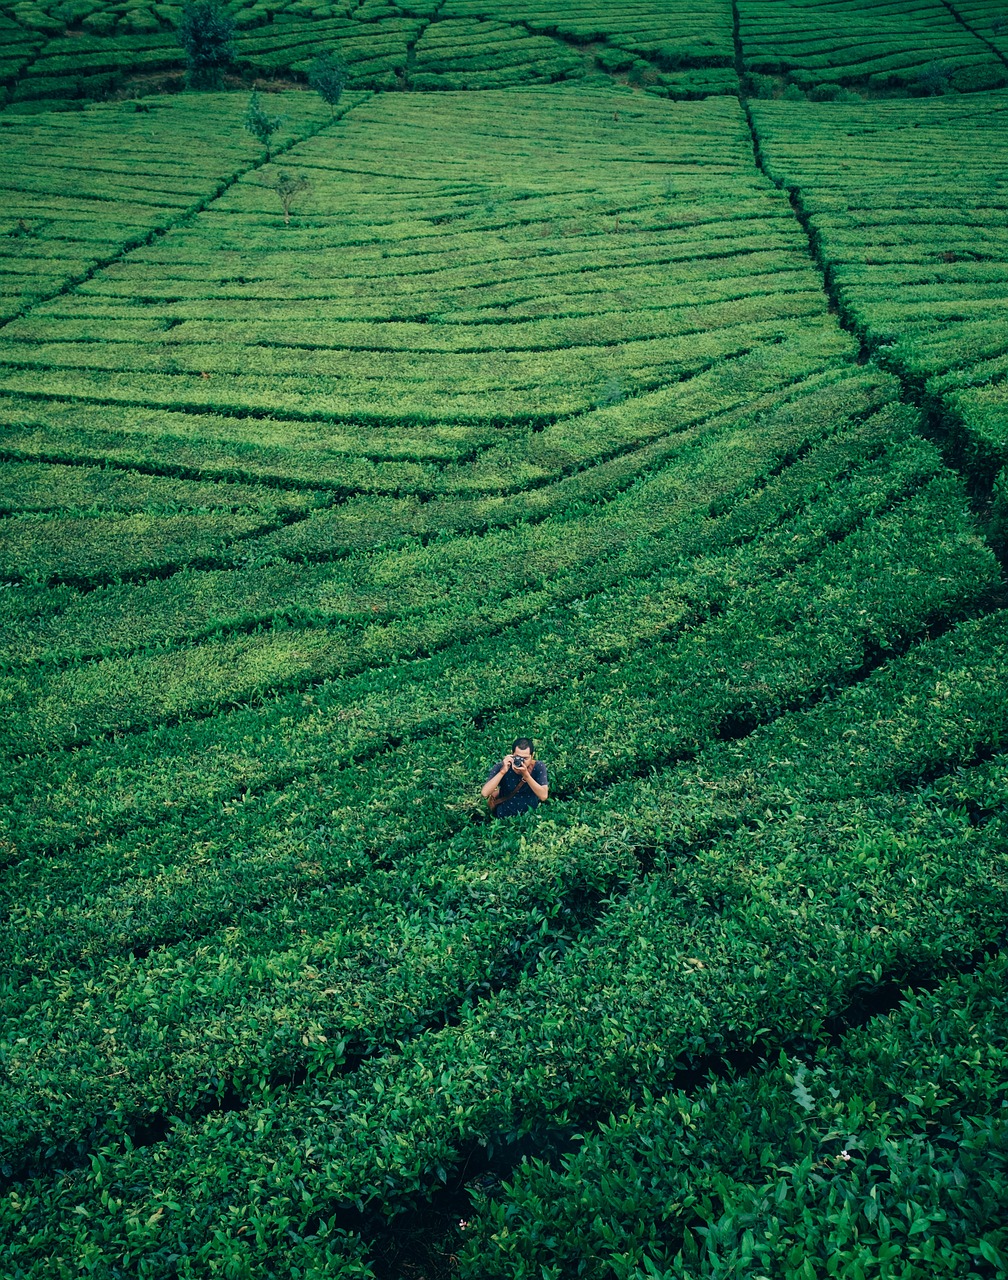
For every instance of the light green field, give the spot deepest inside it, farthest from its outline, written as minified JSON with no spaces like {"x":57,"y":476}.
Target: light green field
{"x":664,"y":429}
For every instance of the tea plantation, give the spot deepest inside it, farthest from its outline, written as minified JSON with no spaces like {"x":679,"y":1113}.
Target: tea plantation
{"x":626,"y":374}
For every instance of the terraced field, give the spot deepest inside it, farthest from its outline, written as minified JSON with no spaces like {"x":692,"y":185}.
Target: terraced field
{"x":77,"y":199}
{"x":562,"y":408}
{"x":926,"y":46}
{"x":917,"y":255}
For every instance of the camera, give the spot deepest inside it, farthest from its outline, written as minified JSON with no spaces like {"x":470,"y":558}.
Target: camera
{"x":518,"y":762}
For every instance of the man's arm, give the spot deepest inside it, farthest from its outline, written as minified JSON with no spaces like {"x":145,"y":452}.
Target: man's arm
{"x":538,"y":788}
{"x":492,"y":784}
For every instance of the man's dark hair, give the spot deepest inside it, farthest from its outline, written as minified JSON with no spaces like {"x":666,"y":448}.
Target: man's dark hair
{"x":524,"y":743}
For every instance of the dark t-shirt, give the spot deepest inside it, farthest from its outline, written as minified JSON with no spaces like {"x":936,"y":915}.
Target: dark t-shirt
{"x":525,"y":799}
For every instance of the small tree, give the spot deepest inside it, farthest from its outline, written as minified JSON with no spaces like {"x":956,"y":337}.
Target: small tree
{"x":328,"y":76}
{"x":288,"y":187}
{"x":206,"y":32}
{"x":259,"y":123}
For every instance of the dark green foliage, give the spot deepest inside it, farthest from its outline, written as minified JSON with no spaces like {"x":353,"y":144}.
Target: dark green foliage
{"x":615,"y":59}
{"x":825,"y":92}
{"x":544,"y":417}
{"x":890,"y":1144}
{"x":934,"y":79}
{"x":206,"y":32}
{"x":998,"y":525}
{"x":761,"y":86}
{"x":328,"y":76}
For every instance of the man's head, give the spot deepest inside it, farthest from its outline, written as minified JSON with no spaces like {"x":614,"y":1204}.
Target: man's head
{"x":522,"y":750}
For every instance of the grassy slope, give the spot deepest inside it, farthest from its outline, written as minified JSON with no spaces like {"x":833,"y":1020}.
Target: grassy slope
{"x":551,"y":425}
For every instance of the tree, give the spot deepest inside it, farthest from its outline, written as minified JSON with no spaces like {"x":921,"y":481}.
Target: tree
{"x":260,"y":124}
{"x":327,"y":76}
{"x":288,"y":187}
{"x":206,"y":32}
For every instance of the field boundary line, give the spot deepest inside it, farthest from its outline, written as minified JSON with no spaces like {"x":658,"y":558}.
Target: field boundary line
{"x":870,"y":350}
{"x":973,"y":31}
{"x":158,"y":233}
{"x":341,"y":491}
{"x":983,"y":603}
{"x":791,"y":393}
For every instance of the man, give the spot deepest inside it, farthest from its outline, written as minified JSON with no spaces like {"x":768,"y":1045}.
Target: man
{"x":517,"y":783}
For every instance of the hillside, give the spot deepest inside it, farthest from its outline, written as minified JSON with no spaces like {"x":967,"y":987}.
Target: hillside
{"x":630,"y":376}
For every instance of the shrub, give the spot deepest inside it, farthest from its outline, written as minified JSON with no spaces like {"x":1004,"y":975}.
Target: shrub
{"x":642,"y":73}
{"x":793,"y":94}
{"x":614,"y":60}
{"x":327,"y":76}
{"x":99,"y":24}
{"x":206,"y":33}
{"x":761,"y":86}
{"x":933,"y":80}
{"x":998,"y":526}
{"x":827,"y":92}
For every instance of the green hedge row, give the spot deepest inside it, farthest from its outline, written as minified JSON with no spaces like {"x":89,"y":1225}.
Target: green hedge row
{"x":368,"y":522}
{"x":923,"y":282}
{"x":96,"y":792}
{"x":557,"y":464}
{"x":924,"y":48}
{"x":88,"y":550}
{"x":404,"y":602}
{"x":69,"y":219}
{"x":427,"y":705}
{"x":776,"y":644}
{"x":654,"y":341}
{"x":207,"y":344}
{"x":703,"y":37}
{"x":143,"y":891}
{"x":730,"y":948}
{"x":884,"y":1151}
{"x":500,"y":391}
{"x":45,"y":487}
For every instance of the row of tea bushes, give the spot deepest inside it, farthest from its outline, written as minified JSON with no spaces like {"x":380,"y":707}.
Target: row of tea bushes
{"x":919,"y":46}
{"x":806,"y":454}
{"x":729,"y":946}
{"x":481,"y":239}
{"x":922,"y":275}
{"x":886,"y":1149}
{"x":387,"y":814}
{"x":346,"y":615}
{"x":785,"y":641}
{"x":671,"y":37}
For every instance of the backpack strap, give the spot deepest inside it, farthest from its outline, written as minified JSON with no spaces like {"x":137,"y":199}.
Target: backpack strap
{"x":494,"y":801}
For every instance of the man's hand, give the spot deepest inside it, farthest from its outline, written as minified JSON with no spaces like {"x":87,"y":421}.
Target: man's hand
{"x":506,"y":764}
{"x":527,"y":767}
